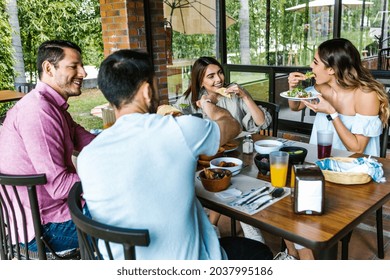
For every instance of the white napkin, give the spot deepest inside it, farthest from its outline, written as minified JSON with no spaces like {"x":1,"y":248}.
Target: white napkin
{"x":228,"y":193}
{"x":309,"y":196}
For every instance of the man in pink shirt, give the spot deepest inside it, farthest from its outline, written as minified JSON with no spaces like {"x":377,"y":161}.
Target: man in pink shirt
{"x":40,"y":136}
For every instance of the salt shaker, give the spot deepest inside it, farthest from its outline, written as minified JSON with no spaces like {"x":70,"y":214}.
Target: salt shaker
{"x":247,"y":145}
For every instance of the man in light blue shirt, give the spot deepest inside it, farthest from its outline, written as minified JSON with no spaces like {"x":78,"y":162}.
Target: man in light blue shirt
{"x":139,"y":173}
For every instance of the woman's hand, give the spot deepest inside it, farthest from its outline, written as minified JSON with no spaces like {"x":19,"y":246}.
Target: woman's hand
{"x":237,"y":90}
{"x":321,"y":105}
{"x":294,"y":79}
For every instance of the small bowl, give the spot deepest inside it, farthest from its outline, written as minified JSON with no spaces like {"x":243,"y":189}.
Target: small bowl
{"x":220,"y":152}
{"x":217,"y":162}
{"x":296,"y":155}
{"x":267,"y":146}
{"x":262,"y":163}
{"x":216,"y":185}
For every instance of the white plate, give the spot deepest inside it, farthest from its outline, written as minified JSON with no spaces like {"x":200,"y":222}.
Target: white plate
{"x":284,"y":94}
{"x":231,"y":146}
{"x":214,"y":163}
{"x":231,"y":150}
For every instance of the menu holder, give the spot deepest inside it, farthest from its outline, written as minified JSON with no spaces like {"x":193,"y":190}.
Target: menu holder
{"x":309,"y":189}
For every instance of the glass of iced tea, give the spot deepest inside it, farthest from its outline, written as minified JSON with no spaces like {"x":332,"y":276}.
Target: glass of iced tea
{"x":324,"y":143}
{"x":278,"y":168}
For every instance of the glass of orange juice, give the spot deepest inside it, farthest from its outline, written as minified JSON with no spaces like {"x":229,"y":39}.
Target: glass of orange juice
{"x":278,"y":168}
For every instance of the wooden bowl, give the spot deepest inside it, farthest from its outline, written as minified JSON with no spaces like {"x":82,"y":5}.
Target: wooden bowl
{"x":216,"y":185}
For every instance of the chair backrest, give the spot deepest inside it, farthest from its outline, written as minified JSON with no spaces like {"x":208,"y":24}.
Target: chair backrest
{"x":24,"y":87}
{"x":273,"y":109}
{"x":13,"y":220}
{"x":90,"y":232}
{"x":384,"y":59}
{"x":384,"y":139}
{"x":11,"y":207}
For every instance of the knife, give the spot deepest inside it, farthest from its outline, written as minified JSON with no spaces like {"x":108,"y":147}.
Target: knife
{"x":260,"y":195}
{"x":264,"y":203}
{"x":254,"y":194}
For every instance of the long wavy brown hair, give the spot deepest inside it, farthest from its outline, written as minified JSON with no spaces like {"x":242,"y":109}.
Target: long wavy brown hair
{"x":197,"y":75}
{"x":343,"y":57}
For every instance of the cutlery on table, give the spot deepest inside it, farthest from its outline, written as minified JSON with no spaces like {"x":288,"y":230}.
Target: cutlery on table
{"x":242,"y":200}
{"x":276,"y":193}
{"x":260,"y":195}
{"x":264,"y":189}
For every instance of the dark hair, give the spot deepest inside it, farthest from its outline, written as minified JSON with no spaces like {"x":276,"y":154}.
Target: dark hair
{"x":343,"y":57}
{"x":122,"y":73}
{"x":197,"y":75}
{"x":53,"y":52}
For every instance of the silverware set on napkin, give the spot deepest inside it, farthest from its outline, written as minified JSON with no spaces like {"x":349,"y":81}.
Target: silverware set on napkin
{"x":254,"y":195}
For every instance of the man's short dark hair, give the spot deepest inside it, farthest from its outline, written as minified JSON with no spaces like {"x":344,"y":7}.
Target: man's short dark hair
{"x":53,"y":52}
{"x":122,"y":73}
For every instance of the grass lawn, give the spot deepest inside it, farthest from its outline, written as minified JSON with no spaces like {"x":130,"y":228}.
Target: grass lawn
{"x":80,"y":108}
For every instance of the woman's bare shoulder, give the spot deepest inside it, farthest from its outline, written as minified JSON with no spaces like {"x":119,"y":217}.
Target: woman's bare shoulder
{"x":366,"y":102}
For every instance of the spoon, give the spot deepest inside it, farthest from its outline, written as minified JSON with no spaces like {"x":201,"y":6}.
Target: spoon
{"x":276,"y":193}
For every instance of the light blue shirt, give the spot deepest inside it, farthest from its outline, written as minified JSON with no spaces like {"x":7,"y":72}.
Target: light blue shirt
{"x":140,"y":172}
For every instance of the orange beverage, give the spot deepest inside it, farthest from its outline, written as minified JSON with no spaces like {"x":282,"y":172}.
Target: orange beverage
{"x":278,"y":174}
{"x":278,"y":168}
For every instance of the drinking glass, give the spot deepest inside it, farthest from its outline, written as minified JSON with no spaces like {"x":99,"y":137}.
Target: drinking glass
{"x":278,"y":168}
{"x":108,"y":117}
{"x":324,"y":143}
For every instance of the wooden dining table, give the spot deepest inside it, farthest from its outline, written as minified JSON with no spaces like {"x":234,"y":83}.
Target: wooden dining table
{"x":346,"y":206}
{"x":10,"y":95}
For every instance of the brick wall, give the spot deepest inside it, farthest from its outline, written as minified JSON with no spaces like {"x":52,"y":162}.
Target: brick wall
{"x":123,"y":26}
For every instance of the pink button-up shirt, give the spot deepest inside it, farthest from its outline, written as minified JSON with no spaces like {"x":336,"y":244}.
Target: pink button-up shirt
{"x":40,"y":136}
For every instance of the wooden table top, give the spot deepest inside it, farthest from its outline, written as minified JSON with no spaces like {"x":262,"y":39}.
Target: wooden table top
{"x":10,"y":95}
{"x":345,"y":207}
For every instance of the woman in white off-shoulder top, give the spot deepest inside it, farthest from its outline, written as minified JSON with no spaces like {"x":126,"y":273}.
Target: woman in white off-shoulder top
{"x":350,"y":102}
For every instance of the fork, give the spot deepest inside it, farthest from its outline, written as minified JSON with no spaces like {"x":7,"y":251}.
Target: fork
{"x":274,"y":195}
{"x":253,"y":199}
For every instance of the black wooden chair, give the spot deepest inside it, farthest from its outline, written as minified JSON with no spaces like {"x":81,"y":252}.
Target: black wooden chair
{"x":378,"y":214}
{"x":11,"y":187}
{"x":90,"y":231}
{"x":273,"y":109}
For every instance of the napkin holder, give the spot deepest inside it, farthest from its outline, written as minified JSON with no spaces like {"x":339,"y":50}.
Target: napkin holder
{"x":309,"y":189}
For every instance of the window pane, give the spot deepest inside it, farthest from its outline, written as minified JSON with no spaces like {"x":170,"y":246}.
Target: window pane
{"x":192,"y":27}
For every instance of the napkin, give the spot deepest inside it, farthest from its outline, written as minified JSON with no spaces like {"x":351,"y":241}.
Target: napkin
{"x":368,"y":165}
{"x":228,"y":193}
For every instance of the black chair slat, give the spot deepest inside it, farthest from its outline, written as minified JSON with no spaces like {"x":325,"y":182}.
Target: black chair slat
{"x":91,"y":231}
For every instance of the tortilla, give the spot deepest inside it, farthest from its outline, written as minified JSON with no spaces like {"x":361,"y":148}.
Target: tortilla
{"x":222,"y":91}
{"x":165,"y":110}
